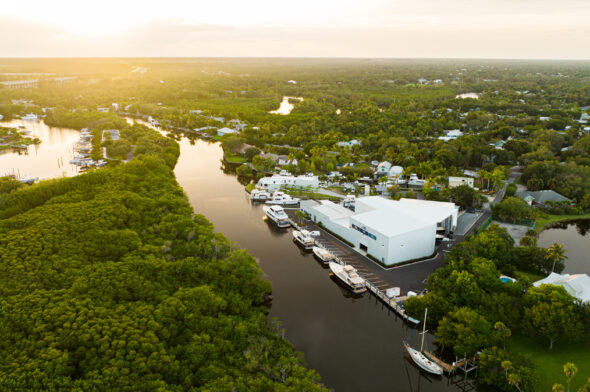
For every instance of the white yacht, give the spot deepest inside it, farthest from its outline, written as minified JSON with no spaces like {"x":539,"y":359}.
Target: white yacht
{"x":282,"y":199}
{"x":419,"y":357}
{"x":348,"y":275}
{"x":259,"y":195}
{"x":30,"y":117}
{"x":277,"y":215}
{"x":414,"y":180}
{"x":401,"y":180}
{"x":304,"y":238}
{"x":324,"y":255}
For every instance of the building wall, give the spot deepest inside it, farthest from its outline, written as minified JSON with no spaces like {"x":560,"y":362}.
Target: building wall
{"x":412,"y":245}
{"x":458,"y":181}
{"x":275,"y":182}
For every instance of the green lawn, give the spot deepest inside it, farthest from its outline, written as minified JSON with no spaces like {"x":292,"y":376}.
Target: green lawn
{"x":232,"y":158}
{"x":547,"y":219}
{"x":250,"y":187}
{"x":549,"y":363}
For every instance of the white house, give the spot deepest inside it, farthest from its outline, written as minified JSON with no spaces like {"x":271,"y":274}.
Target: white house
{"x":225,"y":131}
{"x":196,"y":111}
{"x":451,"y":135}
{"x":458,"y":181}
{"x":383,"y":168}
{"x":275,"y":182}
{"x":103,"y":110}
{"x":237,"y":124}
{"x":577,"y":285}
{"x":349,"y":143}
{"x":292,"y":82}
{"x":390,"y":231}
{"x":395,"y":171}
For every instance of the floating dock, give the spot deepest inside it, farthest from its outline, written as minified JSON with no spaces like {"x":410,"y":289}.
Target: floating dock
{"x":465,"y":364}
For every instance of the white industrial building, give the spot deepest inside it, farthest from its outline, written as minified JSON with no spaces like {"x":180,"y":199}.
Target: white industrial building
{"x":391,"y":231}
{"x":458,"y":181}
{"x":276,"y":182}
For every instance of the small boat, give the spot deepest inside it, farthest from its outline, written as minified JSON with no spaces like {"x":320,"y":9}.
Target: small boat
{"x":30,"y":117}
{"x":348,"y":275}
{"x":419,"y":357}
{"x":282,"y":199}
{"x":277,"y":215}
{"x":259,"y":195}
{"x":304,"y":238}
{"x":324,"y":255}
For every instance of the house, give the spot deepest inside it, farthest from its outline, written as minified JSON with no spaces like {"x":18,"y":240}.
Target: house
{"x":395,"y":171}
{"x":349,"y":143}
{"x":113,"y":134}
{"x":292,"y":82}
{"x":237,"y":124}
{"x":542,"y":197}
{"x":242,"y":149}
{"x":437,"y":81}
{"x":577,"y":285}
{"x":458,"y":181}
{"x":388,"y":230}
{"x":422,"y":81}
{"x":115,"y":106}
{"x":276,"y":182}
{"x":585,"y":117}
{"x":226,"y":131}
{"x":196,"y":112}
{"x":451,"y":135}
{"x":383,"y":168}
{"x":545,"y":118}
{"x":103,"y":110}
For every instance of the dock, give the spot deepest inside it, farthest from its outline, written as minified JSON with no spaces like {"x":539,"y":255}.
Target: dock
{"x":465,"y":364}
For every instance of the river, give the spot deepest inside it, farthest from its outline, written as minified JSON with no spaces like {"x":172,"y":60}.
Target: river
{"x":355,"y":343}
{"x":575,"y":238}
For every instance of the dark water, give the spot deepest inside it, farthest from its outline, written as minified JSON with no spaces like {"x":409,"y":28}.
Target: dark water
{"x":575,"y":238}
{"x":354,"y":343}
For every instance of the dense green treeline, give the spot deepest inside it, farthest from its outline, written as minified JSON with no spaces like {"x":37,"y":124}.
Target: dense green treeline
{"x":108,"y":281}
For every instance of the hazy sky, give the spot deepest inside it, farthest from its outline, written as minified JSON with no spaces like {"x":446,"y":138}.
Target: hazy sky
{"x":298,"y":28}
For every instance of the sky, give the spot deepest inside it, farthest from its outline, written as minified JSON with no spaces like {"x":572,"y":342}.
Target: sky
{"x":544,"y":29}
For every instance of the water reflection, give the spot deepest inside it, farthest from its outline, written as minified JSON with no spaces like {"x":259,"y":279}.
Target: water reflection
{"x":49,"y":159}
{"x":574,"y":236}
{"x":286,"y":105}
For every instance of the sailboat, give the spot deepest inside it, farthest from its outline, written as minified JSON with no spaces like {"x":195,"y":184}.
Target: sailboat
{"x":418,"y":356}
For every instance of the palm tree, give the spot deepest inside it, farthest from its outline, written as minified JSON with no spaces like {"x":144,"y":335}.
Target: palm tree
{"x":555,"y":253}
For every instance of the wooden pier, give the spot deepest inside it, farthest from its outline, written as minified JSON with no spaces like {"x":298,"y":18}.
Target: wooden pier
{"x":465,"y":364}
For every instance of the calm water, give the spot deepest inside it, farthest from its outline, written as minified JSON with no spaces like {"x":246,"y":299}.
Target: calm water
{"x":42,"y":160}
{"x":354,"y":343}
{"x":286,"y":106}
{"x":575,"y":238}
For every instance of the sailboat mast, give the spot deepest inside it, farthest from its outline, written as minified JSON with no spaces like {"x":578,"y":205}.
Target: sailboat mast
{"x":424,"y":329}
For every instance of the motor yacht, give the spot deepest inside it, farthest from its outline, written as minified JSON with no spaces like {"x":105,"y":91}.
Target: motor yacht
{"x":277,"y":215}
{"x":259,"y":195}
{"x":282,"y":199}
{"x":349,"y":277}
{"x":324,"y":255}
{"x":304,"y":238}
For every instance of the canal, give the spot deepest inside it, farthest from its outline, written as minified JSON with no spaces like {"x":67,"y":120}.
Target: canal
{"x":355,"y":343}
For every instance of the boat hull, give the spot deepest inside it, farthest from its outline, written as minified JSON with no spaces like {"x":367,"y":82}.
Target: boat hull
{"x":423,"y":362}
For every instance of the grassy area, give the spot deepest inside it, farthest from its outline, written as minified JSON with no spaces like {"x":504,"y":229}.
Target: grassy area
{"x":306,"y":194}
{"x":546,"y":219}
{"x":549,"y":363}
{"x":233,"y":158}
{"x":250,"y":187}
